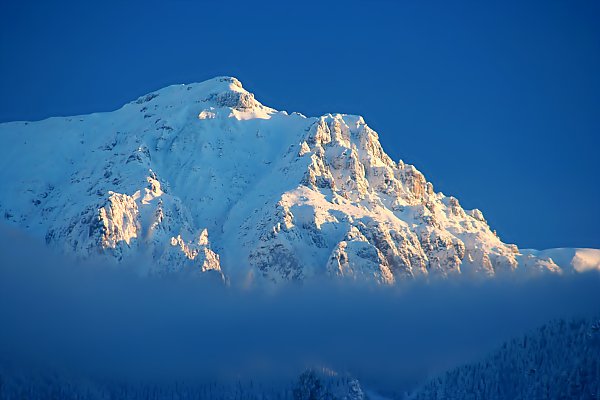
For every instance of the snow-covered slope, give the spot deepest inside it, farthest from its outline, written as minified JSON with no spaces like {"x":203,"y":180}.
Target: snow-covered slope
{"x":578,"y":260}
{"x":202,"y":177}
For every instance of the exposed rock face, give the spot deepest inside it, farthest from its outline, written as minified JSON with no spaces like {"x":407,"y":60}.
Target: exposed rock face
{"x":389,"y":221}
{"x":355,"y":257}
{"x":285,"y":196}
{"x":236,"y":97}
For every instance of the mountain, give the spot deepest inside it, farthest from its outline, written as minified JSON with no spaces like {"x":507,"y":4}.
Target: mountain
{"x":561,"y":360}
{"x":578,"y":260}
{"x":203,"y":178}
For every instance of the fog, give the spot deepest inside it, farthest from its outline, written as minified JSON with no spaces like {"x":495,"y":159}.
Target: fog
{"x":107,"y":321}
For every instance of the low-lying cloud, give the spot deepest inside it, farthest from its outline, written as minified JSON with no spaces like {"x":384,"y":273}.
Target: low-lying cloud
{"x":110,"y":322}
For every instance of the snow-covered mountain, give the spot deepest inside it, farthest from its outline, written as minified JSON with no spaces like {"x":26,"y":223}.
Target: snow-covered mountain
{"x":204,"y":178}
{"x":578,"y":260}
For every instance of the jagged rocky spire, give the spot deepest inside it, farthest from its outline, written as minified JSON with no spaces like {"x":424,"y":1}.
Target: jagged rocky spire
{"x":285,"y":196}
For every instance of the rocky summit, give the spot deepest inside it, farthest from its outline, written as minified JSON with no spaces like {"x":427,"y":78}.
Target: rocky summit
{"x":204,"y":179}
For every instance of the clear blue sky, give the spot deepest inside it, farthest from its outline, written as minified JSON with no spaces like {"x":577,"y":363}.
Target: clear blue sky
{"x":497,"y":103}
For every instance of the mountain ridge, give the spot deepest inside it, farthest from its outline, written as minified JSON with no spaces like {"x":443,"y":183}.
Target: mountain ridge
{"x":203,"y":177}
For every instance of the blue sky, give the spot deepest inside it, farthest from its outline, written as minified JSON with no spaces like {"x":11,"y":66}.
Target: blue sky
{"x":497,"y":103}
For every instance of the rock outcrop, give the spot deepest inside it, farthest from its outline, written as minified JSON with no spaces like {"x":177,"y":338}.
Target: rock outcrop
{"x":285,"y":196}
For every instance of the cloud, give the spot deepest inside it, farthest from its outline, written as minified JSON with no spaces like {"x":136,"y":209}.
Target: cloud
{"x":107,"y":321}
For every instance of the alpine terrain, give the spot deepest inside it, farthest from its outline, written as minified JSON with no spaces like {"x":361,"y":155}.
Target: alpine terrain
{"x":203,"y":178}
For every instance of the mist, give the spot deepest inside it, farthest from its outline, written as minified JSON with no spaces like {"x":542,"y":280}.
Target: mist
{"x":107,"y":321}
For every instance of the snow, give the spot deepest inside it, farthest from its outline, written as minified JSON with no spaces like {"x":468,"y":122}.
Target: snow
{"x":280,"y":195}
{"x":578,"y":260}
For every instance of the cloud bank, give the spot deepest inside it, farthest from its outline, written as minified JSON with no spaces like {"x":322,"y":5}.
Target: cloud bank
{"x":109,"y":322}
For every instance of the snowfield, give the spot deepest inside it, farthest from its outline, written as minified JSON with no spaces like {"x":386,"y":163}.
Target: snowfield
{"x":203,"y":178}
{"x":578,"y":260}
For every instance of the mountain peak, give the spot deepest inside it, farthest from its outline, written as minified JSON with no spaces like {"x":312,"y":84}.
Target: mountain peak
{"x":283,"y":196}
{"x":220,"y":96}
{"x":227,"y":91}
{"x":218,"y":85}
{"x":231,"y":82}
